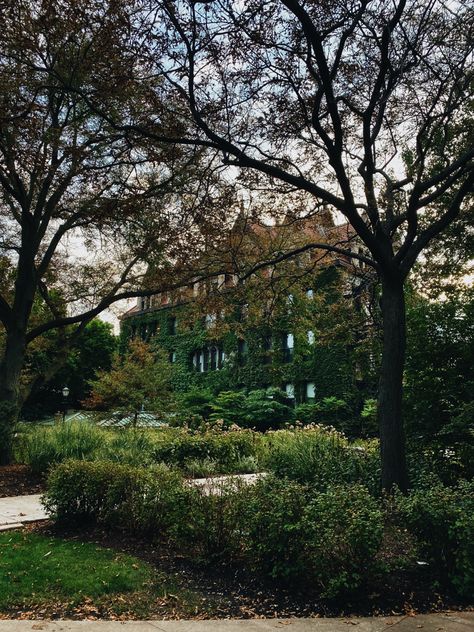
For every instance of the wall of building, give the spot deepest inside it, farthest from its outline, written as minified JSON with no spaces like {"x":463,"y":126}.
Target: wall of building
{"x":289,"y":351}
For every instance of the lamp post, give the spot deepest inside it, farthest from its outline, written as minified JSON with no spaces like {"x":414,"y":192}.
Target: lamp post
{"x":65,"y":396}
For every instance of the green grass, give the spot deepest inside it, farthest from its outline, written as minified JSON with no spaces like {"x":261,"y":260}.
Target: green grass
{"x":36,"y":569}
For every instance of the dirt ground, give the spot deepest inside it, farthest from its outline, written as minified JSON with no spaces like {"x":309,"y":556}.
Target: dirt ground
{"x":17,"y":480}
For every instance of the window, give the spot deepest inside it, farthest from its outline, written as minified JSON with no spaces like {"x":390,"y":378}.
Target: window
{"x":213,"y":356}
{"x":243,"y":312}
{"x":267,"y":346}
{"x":210,"y":321}
{"x":311,"y":337}
{"x":310,"y":391}
{"x":288,"y":347}
{"x":290,"y":391}
{"x":222,"y":358}
{"x":172,"y":357}
{"x":172,"y":325}
{"x":242,"y":350}
{"x":198,"y":363}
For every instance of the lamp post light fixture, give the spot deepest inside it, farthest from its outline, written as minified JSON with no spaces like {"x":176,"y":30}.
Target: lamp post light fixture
{"x":65,"y":396}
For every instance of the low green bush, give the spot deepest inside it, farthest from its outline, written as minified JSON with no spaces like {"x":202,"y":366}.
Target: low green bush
{"x":226,"y":449}
{"x":442,"y":519}
{"x":272,"y":529}
{"x":139,"y":500}
{"x":329,"y":411}
{"x":343,"y":529}
{"x":327,"y":539}
{"x":260,"y":409}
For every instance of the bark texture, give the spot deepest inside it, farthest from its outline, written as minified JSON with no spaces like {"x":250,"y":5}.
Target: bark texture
{"x":392,"y":437}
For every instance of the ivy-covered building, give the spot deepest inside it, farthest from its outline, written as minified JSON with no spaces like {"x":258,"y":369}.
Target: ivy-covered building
{"x":222,"y":335}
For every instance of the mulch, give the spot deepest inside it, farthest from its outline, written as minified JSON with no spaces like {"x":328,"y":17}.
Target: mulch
{"x":18,"y":480}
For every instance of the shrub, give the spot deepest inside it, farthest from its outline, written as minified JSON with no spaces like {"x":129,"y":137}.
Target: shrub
{"x":265,"y":410}
{"x":139,"y":500}
{"x":225,"y":448}
{"x":342,"y":531}
{"x":43,"y":447}
{"x":328,"y":411}
{"x":327,"y":539}
{"x":218,"y":521}
{"x":442,"y":518}
{"x":271,"y":525}
{"x":230,"y":407}
{"x":196,"y":403}
{"x":280,"y":528}
{"x":259,"y":409}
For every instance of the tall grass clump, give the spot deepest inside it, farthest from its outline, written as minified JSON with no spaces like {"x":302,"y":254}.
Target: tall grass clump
{"x":320,"y":456}
{"x":130,"y":446}
{"x":43,"y":447}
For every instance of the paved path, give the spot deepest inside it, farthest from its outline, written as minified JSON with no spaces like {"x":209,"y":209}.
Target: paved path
{"x":449,"y":622}
{"x":15,"y":511}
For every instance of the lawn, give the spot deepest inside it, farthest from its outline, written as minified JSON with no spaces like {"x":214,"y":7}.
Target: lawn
{"x":48,"y":576}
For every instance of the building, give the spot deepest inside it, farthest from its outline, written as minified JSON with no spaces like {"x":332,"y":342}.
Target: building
{"x":277,"y":329}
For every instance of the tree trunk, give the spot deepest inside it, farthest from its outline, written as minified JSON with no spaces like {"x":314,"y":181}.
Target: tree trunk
{"x":392,"y":437}
{"x":10,"y":391}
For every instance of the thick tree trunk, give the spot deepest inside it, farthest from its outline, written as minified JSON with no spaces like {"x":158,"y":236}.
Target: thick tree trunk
{"x":392,"y":437}
{"x":10,"y":391}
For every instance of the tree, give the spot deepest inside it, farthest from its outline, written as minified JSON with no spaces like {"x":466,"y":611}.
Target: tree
{"x":91,"y":352}
{"x":440,"y":365}
{"x":139,"y":380}
{"x":82,"y":210}
{"x":320,"y":100}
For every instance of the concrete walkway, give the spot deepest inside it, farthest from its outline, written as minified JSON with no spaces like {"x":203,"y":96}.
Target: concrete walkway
{"x":449,"y":622}
{"x":16,"y":511}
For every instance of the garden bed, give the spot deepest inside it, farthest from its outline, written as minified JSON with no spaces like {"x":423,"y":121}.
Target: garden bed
{"x":190,"y":590}
{"x":18,"y":480}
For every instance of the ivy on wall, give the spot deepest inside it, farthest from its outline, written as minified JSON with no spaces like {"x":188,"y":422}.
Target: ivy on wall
{"x":263,"y":361}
